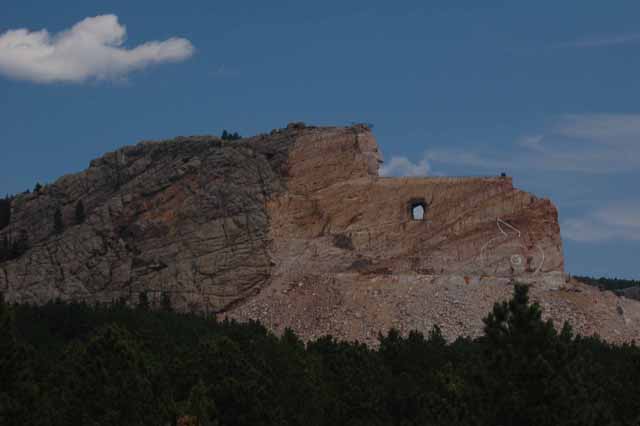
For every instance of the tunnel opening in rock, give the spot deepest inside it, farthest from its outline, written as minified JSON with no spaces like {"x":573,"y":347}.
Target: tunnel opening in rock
{"x":417,"y":209}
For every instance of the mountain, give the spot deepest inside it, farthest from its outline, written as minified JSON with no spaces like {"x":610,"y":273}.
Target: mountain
{"x":297,"y":229}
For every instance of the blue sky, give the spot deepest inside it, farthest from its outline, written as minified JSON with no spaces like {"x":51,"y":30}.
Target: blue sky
{"x":545,"y":91}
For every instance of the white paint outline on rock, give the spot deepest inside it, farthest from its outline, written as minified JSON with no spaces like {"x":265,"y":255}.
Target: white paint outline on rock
{"x":506,"y":235}
{"x":499,"y":221}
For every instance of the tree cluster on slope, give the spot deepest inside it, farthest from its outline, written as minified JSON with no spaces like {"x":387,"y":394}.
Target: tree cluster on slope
{"x":608,"y":283}
{"x":228,"y":136}
{"x":13,"y":245}
{"x":72,"y":363}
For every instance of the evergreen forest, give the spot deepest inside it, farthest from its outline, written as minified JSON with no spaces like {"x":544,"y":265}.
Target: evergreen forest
{"x":69,"y":363}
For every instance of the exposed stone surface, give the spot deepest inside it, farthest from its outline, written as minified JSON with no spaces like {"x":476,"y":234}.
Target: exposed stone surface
{"x":297,"y":229}
{"x":185,"y":216}
{"x":358,"y":306}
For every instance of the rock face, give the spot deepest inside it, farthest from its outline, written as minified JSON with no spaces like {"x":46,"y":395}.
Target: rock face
{"x":295,"y":229}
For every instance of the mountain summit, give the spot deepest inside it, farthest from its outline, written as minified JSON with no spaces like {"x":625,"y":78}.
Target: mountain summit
{"x":296,"y":229}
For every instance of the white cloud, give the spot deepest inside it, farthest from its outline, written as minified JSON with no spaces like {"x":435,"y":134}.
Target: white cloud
{"x":626,"y":214}
{"x":91,"y":49}
{"x":610,"y":129}
{"x":618,"y":221}
{"x":402,"y":166}
{"x":588,"y":143}
{"x":466,"y":158}
{"x":533,"y":143}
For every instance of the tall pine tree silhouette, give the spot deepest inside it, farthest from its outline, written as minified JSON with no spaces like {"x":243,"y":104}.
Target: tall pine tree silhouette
{"x":5,"y":212}
{"x":58,"y":224}
{"x":80,"y":213}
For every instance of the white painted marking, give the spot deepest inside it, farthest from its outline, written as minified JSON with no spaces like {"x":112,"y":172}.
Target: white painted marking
{"x":499,"y":221}
{"x":515,"y":259}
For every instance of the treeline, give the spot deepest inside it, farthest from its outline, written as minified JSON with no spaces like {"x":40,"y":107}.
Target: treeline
{"x":608,"y":283}
{"x":14,"y":243}
{"x":229,"y":136}
{"x":71,"y":363}
{"x":13,"y":246}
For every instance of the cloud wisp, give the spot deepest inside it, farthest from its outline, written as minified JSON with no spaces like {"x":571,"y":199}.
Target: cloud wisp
{"x":402,"y":166}
{"x":91,"y":49}
{"x":585,"y":143}
{"x":618,"y":221}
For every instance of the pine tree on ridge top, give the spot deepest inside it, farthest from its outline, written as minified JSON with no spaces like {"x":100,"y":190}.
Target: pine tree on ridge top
{"x":80,"y":213}
{"x":58,"y":224}
{"x":228,"y":136}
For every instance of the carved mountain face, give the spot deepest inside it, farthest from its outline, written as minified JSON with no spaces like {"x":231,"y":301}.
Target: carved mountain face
{"x":294,"y":228}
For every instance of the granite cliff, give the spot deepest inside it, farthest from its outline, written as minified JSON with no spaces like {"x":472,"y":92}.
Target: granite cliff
{"x":296,"y":229}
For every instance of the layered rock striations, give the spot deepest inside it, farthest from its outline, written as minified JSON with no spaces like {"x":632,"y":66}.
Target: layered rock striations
{"x":185,"y":217}
{"x":296,"y":229}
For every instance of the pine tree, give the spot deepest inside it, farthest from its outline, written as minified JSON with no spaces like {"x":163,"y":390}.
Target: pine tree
{"x":17,"y":390}
{"x":228,"y":136}
{"x":522,"y":355}
{"x":202,"y":406}
{"x":165,"y":303}
{"x":517,"y":323}
{"x":58,"y":223}
{"x":4,"y":248}
{"x":5,"y":212}
{"x":143,"y":301}
{"x":19,"y":245}
{"x":37,"y":188}
{"x":108,"y":381}
{"x":80,"y":213}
